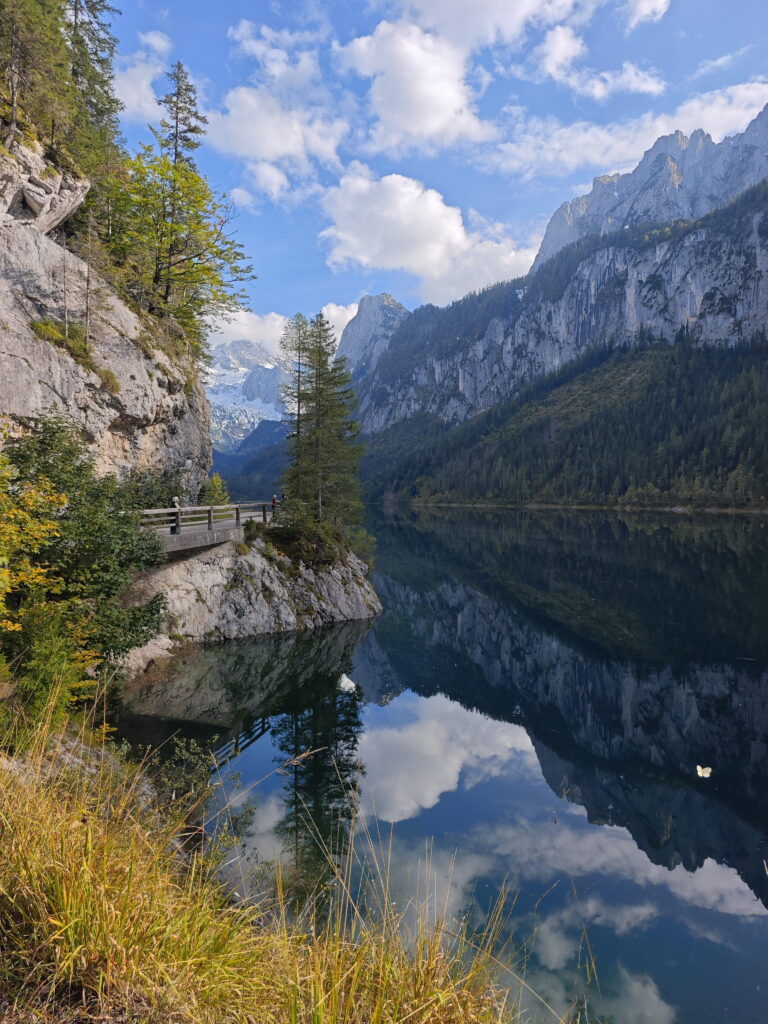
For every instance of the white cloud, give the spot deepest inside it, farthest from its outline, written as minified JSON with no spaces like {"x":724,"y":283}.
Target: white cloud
{"x":611,"y":851}
{"x":134,"y":79}
{"x":409,"y":767}
{"x":419,"y":96}
{"x":281,"y":60}
{"x":396,"y":223}
{"x":246,"y":326}
{"x":637,"y":1001}
{"x":339,"y":316}
{"x":270,"y":179}
{"x":256,"y":125}
{"x":707,"y":67}
{"x":645,"y":10}
{"x":267,"y":328}
{"x":485,"y":22}
{"x":243,"y":199}
{"x":542,"y":146}
{"x":158,"y":42}
{"x":561,"y":47}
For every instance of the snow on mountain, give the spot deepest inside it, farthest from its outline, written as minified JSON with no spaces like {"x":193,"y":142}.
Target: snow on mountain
{"x":243,"y":386}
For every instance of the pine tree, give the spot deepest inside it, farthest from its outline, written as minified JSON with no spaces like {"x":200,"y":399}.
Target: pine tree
{"x":92,"y":46}
{"x":293,"y":345}
{"x":324,"y":447}
{"x":181,"y":132}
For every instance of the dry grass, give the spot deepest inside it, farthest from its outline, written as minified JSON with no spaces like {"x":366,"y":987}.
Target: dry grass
{"x":101,"y":918}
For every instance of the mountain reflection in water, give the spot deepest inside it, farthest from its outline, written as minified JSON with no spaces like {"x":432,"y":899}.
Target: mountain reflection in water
{"x":535,"y":698}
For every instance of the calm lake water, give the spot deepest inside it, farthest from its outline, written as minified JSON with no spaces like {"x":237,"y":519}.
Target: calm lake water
{"x":532,"y":705}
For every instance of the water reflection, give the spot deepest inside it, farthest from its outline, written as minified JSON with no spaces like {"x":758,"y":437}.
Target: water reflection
{"x":536,"y":697}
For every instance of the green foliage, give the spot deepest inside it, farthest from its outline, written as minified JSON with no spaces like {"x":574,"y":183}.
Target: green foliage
{"x":71,"y":338}
{"x":169,"y":241}
{"x":655,"y":425}
{"x":323,"y":445}
{"x":108,"y":379}
{"x":181,"y":131}
{"x":99,"y":545}
{"x":214,"y":491}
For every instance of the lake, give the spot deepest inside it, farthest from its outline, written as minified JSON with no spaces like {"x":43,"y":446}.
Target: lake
{"x":576,"y":703}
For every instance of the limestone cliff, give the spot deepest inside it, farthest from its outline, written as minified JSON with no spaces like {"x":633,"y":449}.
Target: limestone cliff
{"x":678,"y":178}
{"x":709,"y":278}
{"x":142,"y":413}
{"x":367,"y":335}
{"x":226,"y":593}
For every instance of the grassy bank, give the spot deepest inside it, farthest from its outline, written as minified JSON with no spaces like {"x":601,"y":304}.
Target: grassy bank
{"x":102,"y":918}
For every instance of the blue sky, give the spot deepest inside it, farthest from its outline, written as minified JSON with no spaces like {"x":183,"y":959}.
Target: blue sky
{"x":420,"y":147}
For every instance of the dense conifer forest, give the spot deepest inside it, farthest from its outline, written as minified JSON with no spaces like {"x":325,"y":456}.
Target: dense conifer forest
{"x":653,"y":425}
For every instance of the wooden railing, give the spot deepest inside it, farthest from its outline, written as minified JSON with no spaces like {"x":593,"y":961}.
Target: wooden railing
{"x":195,"y":518}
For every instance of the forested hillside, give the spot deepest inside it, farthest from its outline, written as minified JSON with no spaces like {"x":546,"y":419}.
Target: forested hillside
{"x":656,"y":425}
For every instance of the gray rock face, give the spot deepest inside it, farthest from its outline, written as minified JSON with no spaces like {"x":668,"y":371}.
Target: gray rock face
{"x":34,"y":192}
{"x":366,"y":336}
{"x":712,"y":281}
{"x":220,"y":594}
{"x":149,"y":423}
{"x":678,"y":178}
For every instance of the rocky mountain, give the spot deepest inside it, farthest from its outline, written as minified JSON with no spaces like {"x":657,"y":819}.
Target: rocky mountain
{"x":678,"y":178}
{"x":243,"y":387}
{"x":137,"y":410}
{"x":367,"y":335}
{"x":707,"y":276}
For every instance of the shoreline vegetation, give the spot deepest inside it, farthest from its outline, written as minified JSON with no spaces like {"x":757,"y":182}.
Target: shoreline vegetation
{"x":535,"y":506}
{"x":111,"y":911}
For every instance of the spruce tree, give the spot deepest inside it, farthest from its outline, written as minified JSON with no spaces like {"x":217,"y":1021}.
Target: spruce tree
{"x":92,"y":46}
{"x":325,"y":451}
{"x":181,"y":132}
{"x":293,"y":345}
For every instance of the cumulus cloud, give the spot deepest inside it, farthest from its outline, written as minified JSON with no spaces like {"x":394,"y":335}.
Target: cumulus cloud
{"x":396,"y":223}
{"x":135,"y":77}
{"x":645,"y":10}
{"x":246,"y":326}
{"x":409,"y":767}
{"x":556,"y":57}
{"x":243,"y":199}
{"x":270,"y":179}
{"x":281,"y":57}
{"x":339,"y":316}
{"x":485,"y":22}
{"x":546,"y":146}
{"x":419,"y":97}
{"x":257,"y":126}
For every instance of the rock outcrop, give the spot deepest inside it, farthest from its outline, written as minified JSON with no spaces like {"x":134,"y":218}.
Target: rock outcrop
{"x":34,"y":192}
{"x":137,"y":411}
{"x":223,"y":593}
{"x":678,"y":178}
{"x":366,"y":336}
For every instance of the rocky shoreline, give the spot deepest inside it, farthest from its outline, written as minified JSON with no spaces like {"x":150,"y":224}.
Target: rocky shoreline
{"x":231,"y":592}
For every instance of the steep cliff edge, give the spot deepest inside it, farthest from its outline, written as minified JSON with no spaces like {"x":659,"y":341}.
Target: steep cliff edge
{"x":226,"y":593}
{"x":679,"y":177}
{"x":707,"y":276}
{"x":137,"y":411}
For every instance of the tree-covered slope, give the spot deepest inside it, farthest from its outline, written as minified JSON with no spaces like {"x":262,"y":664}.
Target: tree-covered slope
{"x":654,"y":425}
